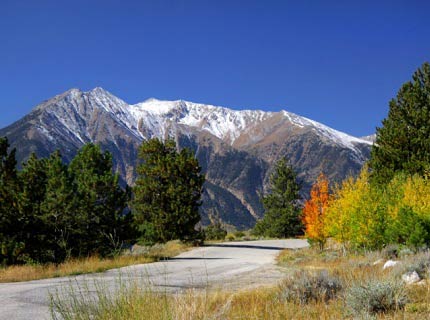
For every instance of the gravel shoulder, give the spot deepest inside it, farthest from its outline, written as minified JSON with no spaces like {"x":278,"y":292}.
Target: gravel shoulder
{"x":228,"y":265}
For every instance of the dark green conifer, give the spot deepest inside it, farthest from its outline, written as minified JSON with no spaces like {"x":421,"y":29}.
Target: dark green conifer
{"x":10,"y":246}
{"x":32,"y":231}
{"x":281,"y":206}
{"x":403,"y":142}
{"x":100,"y":202}
{"x":167,"y":192}
{"x":58,"y":209}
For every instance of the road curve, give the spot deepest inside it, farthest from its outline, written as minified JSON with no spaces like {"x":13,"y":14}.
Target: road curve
{"x":228,"y":265}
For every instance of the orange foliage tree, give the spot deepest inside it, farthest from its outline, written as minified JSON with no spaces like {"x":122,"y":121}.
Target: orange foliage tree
{"x":315,"y":209}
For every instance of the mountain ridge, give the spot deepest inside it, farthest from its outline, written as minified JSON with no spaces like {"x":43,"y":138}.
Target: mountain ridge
{"x":237,"y":149}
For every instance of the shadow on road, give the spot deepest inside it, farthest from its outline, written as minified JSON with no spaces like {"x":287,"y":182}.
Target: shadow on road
{"x":244,"y":246}
{"x":195,"y":258}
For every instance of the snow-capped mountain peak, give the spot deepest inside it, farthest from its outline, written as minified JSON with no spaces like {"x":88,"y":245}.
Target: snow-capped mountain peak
{"x":225,"y":123}
{"x":154,"y":117}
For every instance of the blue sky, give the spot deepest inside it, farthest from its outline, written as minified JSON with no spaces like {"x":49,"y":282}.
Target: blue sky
{"x":336,"y":62}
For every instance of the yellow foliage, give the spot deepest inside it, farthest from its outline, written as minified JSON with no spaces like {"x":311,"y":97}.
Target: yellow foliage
{"x":364,"y":215}
{"x":354,"y":214}
{"x":417,"y":195}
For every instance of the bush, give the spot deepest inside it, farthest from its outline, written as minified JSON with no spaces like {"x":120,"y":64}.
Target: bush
{"x":230,"y":237}
{"x":304,"y":287}
{"x":421,"y":264}
{"x":376,"y":296}
{"x":391,"y":251}
{"x":239,"y":234}
{"x":405,"y":252}
{"x":215,"y":232}
{"x":410,"y":229}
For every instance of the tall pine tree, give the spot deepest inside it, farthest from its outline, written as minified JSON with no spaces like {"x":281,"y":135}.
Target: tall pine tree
{"x":101,"y":203}
{"x":58,"y":209}
{"x":403,"y":141}
{"x":32,"y":230}
{"x":10,"y":245}
{"x":281,"y":206}
{"x":167,"y":192}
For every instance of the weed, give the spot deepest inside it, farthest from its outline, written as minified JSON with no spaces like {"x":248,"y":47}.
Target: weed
{"x":304,"y":287}
{"x":376,"y":296}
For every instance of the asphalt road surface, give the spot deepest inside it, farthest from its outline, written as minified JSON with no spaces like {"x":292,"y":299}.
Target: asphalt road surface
{"x":229,"y":265}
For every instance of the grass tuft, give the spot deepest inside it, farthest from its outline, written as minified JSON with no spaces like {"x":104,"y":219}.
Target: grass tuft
{"x":304,"y":287}
{"x":376,"y":296}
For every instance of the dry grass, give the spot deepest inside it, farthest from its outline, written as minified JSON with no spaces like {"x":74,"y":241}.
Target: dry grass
{"x":90,"y":264}
{"x":137,"y":301}
{"x":133,"y":302}
{"x":359,"y":269}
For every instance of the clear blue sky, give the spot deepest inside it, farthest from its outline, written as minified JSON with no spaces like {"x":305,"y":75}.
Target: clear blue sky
{"x":337,"y":62}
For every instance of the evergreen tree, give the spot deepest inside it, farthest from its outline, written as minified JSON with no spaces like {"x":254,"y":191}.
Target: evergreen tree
{"x":10,"y":246}
{"x":101,"y":203}
{"x":281,"y":206}
{"x":403,"y":141}
{"x":167,"y":192}
{"x":57,"y":209}
{"x":32,"y":230}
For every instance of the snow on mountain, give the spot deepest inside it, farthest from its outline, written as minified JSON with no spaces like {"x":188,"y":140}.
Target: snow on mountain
{"x":339,"y":137}
{"x":224,"y":123}
{"x":371,"y":138}
{"x":154,"y":118}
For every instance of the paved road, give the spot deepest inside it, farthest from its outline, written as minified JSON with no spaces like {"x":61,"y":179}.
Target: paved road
{"x":229,"y":265}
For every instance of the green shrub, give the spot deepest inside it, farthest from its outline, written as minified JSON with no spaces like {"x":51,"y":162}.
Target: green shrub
{"x":304,"y":287}
{"x":230,"y":237}
{"x":391,"y":251}
{"x":405,"y":252}
{"x":239,"y":234}
{"x":215,"y":232}
{"x":376,"y":296}
{"x":419,"y":263}
{"x":410,"y":229}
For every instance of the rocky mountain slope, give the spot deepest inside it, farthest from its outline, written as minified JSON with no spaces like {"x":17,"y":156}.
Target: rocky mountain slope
{"x":236,"y":149}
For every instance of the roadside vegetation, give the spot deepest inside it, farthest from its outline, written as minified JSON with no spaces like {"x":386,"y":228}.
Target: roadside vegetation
{"x":318,"y":285}
{"x":76,"y":266}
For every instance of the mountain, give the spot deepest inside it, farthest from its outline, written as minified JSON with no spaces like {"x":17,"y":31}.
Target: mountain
{"x":236,"y":149}
{"x":370,"y":138}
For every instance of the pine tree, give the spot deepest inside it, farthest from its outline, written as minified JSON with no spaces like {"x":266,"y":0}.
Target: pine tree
{"x":101,"y":203}
{"x":57,"y":209}
{"x":167,"y":192}
{"x":32,"y":231}
{"x":403,"y":141}
{"x":10,"y":246}
{"x":281,"y":206}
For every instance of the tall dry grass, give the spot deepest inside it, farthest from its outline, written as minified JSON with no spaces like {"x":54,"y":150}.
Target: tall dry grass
{"x":139,"y":301}
{"x":90,"y":264}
